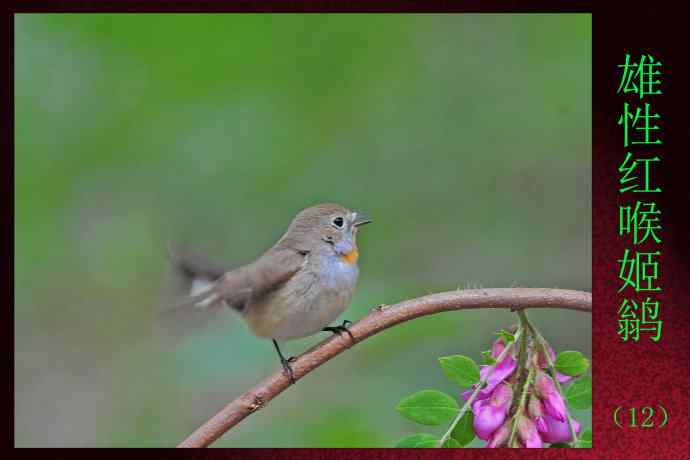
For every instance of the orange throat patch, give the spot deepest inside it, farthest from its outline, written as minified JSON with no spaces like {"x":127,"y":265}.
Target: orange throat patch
{"x":350,"y":257}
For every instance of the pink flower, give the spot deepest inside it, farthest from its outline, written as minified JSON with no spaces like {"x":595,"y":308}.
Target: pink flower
{"x":557,"y":431}
{"x":528,"y":433}
{"x":555,"y":407}
{"x":486,"y":418}
{"x":550,"y":397}
{"x":490,"y":413}
{"x":536,"y":412}
{"x":501,"y":371}
{"x":499,"y":438}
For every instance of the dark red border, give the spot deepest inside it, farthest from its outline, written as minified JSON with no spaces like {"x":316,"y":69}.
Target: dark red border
{"x":644,"y":373}
{"x":624,"y":374}
{"x":302,"y":6}
{"x":7,"y":27}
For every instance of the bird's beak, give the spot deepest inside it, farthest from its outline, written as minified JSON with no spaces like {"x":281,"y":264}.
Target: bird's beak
{"x":361,"y":219}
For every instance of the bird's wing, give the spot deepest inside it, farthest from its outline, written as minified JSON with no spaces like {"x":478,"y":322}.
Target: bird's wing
{"x":257,"y":279}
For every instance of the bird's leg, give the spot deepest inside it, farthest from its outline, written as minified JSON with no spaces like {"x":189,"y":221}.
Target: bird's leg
{"x":286,"y":363}
{"x":340,"y":329}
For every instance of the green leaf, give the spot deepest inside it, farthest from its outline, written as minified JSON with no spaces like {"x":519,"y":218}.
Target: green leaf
{"x":560,"y":444}
{"x":428,"y":407}
{"x":506,"y":336}
{"x":460,"y":369}
{"x":487,"y":358}
{"x":579,"y":393}
{"x":415,"y":439}
{"x":452,"y":444}
{"x":571,"y":363}
{"x":585,"y":440}
{"x":463,"y":432}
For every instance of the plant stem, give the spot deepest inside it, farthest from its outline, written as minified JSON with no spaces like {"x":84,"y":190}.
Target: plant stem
{"x":523,"y":381}
{"x":521,"y":403}
{"x":551,"y":369}
{"x":474,"y":394}
{"x":522,"y":364}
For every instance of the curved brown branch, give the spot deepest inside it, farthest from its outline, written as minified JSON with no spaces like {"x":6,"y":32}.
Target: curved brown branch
{"x":380,"y":318}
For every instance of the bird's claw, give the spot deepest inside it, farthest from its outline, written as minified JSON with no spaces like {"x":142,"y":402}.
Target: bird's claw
{"x":340,"y":329}
{"x":287,"y":369}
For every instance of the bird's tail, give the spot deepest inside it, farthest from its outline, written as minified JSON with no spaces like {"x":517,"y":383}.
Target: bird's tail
{"x":203,"y":299}
{"x":196,"y":279}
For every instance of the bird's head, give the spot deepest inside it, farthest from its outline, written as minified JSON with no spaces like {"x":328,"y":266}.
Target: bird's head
{"x":329,"y":227}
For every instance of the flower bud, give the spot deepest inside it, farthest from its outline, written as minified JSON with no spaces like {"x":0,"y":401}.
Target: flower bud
{"x":543,"y":385}
{"x":558,"y":431}
{"x":550,"y":397}
{"x":535,"y":410}
{"x":555,"y":406}
{"x":534,"y":407}
{"x":528,"y":433}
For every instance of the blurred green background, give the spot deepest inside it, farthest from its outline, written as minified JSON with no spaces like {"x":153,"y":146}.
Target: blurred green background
{"x":467,"y":138}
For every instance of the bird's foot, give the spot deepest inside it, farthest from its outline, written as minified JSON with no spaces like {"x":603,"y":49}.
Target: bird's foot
{"x":287,"y":369}
{"x":340,"y":329}
{"x":285,"y":362}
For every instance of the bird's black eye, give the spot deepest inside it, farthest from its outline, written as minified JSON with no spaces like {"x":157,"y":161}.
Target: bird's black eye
{"x":338,"y":222}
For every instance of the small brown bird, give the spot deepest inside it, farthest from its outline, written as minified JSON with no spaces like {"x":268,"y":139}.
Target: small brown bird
{"x":295,"y":289}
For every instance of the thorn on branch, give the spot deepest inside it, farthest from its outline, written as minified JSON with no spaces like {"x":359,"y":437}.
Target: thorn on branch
{"x":380,"y":307}
{"x":257,"y":404}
